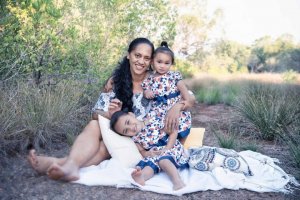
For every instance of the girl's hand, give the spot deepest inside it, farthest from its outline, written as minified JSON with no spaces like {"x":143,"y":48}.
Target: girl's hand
{"x":162,"y":151}
{"x":153,"y":152}
{"x":114,"y":106}
{"x":148,"y":94}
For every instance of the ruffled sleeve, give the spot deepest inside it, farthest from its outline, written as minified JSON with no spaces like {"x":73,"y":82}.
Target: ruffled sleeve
{"x":177,"y":76}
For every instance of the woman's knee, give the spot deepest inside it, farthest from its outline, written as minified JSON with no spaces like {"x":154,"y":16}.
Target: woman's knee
{"x":92,"y":128}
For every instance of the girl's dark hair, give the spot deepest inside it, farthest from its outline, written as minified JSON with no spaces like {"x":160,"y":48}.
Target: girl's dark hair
{"x":164,"y":48}
{"x":122,"y":76}
{"x":114,"y":118}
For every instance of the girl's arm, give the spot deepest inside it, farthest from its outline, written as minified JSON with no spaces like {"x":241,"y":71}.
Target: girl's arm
{"x":187,"y":102}
{"x":171,"y":140}
{"x":151,"y":153}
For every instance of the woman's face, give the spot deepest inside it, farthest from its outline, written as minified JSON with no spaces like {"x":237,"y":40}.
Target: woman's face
{"x":139,"y":59}
{"x":128,"y":125}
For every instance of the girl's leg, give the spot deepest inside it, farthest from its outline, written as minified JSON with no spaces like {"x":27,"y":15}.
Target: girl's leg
{"x":142,"y":175}
{"x":167,"y":166}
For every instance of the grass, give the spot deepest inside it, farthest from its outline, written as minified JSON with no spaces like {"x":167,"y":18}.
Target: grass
{"x":225,"y":140}
{"x":41,"y":115}
{"x":213,"y":89}
{"x":269,"y":108}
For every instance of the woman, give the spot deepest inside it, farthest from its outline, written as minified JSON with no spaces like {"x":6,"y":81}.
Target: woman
{"x":88,"y":148}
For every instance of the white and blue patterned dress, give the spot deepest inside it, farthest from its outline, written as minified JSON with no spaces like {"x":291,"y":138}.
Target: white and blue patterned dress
{"x":141,"y":105}
{"x":166,"y":95}
{"x":153,"y":136}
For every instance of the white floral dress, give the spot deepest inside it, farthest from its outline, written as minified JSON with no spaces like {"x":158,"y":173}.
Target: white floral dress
{"x":152,"y":136}
{"x":166,"y":95}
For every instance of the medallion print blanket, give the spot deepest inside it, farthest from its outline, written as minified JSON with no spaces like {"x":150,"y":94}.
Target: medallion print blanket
{"x":210,"y":169}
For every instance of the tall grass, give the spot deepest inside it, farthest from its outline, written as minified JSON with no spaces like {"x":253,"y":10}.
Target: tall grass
{"x":213,"y":92}
{"x":226,"y":140}
{"x":41,"y":115}
{"x":213,"y":89}
{"x":292,"y":138}
{"x":270,"y":108}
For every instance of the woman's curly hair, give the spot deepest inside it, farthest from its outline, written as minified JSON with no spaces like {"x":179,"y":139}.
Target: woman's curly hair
{"x":122,"y":78}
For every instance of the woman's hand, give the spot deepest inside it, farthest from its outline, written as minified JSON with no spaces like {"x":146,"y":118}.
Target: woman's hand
{"x":114,"y":106}
{"x":172,"y":118}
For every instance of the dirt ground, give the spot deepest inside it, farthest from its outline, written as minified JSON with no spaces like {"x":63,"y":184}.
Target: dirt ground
{"x":19,"y":181}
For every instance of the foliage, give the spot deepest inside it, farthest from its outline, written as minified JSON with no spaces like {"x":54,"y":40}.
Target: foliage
{"x":225,"y":140}
{"x":270,"y":108}
{"x":45,"y":36}
{"x":279,"y":55}
{"x":212,"y":91}
{"x":289,"y":76}
{"x":186,"y":68}
{"x":41,"y":115}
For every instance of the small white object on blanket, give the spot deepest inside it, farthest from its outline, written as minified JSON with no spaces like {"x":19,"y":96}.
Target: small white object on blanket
{"x":268,"y":177}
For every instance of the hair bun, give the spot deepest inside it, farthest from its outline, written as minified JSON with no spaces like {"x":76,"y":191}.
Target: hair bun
{"x":164,"y":44}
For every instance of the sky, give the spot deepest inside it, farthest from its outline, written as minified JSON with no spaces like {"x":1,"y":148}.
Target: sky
{"x":247,"y":20}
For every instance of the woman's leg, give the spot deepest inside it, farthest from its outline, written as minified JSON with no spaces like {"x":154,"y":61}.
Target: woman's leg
{"x":86,"y":150}
{"x":167,"y":166}
{"x":42,"y":163}
{"x":142,"y":175}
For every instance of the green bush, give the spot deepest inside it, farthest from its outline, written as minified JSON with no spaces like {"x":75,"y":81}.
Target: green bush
{"x":270,"y":108}
{"x":42,"y":115}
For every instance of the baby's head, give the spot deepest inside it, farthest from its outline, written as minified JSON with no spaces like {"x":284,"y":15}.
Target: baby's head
{"x":125,"y":123}
{"x":163,"y":58}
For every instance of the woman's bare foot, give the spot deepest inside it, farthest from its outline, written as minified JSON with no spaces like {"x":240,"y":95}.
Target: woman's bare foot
{"x":67,"y":172}
{"x":138,"y":176}
{"x":40,"y":163}
{"x":178,"y":185}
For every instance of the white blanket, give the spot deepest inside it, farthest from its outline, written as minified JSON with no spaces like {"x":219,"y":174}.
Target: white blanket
{"x":268,"y":177}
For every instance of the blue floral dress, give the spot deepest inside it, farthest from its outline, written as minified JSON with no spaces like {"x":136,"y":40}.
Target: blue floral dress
{"x":153,"y":136}
{"x":166,"y":95}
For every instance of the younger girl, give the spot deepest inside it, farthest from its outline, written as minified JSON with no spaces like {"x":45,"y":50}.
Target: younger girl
{"x":166,"y":87}
{"x":161,"y":151}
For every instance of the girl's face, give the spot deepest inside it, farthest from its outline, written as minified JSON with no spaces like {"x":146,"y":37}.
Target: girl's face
{"x":139,"y":59}
{"x":128,"y":125}
{"x":162,"y":63}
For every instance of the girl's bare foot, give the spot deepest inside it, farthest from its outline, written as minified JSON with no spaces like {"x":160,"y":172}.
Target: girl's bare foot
{"x":137,"y":176}
{"x":67,"y":172}
{"x":178,"y":185}
{"x":39,"y":163}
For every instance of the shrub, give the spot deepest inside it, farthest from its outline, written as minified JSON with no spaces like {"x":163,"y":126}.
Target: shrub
{"x":225,"y":140}
{"x":269,"y":108}
{"x":41,"y":115}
